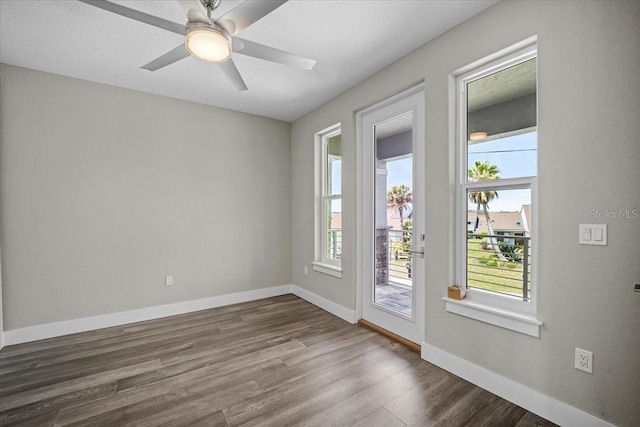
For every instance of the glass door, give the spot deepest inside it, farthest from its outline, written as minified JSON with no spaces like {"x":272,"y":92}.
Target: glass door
{"x":392,"y":207}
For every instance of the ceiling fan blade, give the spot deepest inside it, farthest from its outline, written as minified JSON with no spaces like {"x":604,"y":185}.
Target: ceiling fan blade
{"x":137,"y":15}
{"x":194,"y":11}
{"x":168,"y":58}
{"x":230,"y":70}
{"x":249,"y":12}
{"x":257,"y":50}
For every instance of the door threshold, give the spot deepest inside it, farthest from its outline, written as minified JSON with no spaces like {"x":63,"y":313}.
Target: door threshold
{"x":382,"y":331}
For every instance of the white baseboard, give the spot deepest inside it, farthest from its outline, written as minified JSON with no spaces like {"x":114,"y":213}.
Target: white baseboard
{"x":50,"y":330}
{"x":330,"y":306}
{"x":531,"y":400}
{"x":57,"y":329}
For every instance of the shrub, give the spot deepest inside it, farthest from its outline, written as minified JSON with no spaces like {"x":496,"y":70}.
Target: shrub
{"x":511,"y":252}
{"x":492,"y":263}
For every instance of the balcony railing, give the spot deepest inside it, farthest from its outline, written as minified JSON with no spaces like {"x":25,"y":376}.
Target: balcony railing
{"x":399,"y":255}
{"x":334,"y":243}
{"x":499,"y":263}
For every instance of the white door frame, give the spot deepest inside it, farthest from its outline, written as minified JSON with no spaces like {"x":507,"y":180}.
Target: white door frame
{"x":411,"y":99}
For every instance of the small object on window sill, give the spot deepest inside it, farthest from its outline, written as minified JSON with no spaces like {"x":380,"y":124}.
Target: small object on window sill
{"x":454,"y":292}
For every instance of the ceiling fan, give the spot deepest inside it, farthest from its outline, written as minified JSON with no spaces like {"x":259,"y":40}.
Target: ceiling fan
{"x":213,"y":40}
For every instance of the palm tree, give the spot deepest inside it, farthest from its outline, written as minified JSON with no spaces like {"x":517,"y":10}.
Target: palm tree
{"x":483,"y":171}
{"x":398,"y":199}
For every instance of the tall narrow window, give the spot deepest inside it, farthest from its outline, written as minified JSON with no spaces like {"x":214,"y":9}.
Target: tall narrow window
{"x":329,"y":202}
{"x":497,"y":177}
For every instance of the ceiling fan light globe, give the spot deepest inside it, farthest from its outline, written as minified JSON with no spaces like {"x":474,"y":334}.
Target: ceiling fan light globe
{"x":208,"y":43}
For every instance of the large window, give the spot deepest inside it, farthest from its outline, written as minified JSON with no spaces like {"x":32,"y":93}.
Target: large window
{"x":329,"y":202}
{"x":496,"y":192}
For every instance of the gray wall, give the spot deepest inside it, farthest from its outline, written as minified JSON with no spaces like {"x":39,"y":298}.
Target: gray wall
{"x":104,"y":191}
{"x":589,"y":159}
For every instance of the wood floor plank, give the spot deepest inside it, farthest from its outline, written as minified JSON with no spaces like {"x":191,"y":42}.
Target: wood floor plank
{"x":423,"y":405}
{"x":177,"y":407}
{"x":500,"y":412}
{"x":413,"y":375}
{"x":351,"y":409}
{"x":344,"y":359}
{"x":272,"y":362}
{"x":131,"y":344}
{"x":532,"y":420}
{"x":381,"y":417}
{"x":45,"y":411}
{"x":312,"y":390}
{"x":329,"y":345}
{"x":214,"y":420}
{"x":464,"y":409}
{"x":30,"y":396}
{"x":68,"y":371}
{"x":208,"y":373}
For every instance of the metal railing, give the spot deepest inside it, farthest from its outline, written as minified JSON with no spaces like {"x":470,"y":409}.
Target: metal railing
{"x":499,"y":263}
{"x":399,"y":254}
{"x":334,"y":243}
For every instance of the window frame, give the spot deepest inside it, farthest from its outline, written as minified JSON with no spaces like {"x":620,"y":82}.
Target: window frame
{"x":322,"y":263}
{"x":491,"y":307}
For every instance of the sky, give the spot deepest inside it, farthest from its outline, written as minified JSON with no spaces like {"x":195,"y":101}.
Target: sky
{"x":514,"y":156}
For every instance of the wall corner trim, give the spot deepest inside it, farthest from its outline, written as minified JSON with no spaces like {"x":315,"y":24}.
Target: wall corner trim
{"x":325,"y":304}
{"x":528,"y":398}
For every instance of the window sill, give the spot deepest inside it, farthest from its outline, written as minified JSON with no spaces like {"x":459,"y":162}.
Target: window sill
{"x":331,"y":270}
{"x":518,"y":322}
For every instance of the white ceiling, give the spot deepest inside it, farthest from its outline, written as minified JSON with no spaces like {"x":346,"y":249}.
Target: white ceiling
{"x":350,"y":39}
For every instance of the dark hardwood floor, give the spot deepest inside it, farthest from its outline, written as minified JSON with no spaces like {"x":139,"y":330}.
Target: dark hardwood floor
{"x":274,"y":362}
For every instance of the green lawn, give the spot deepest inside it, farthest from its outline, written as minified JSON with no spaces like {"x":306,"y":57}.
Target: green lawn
{"x":503,"y":277}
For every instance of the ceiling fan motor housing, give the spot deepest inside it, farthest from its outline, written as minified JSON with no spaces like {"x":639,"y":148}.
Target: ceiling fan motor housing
{"x":211,"y":4}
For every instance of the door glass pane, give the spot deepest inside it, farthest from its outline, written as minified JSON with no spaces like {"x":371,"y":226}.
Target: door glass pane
{"x":393,"y":201}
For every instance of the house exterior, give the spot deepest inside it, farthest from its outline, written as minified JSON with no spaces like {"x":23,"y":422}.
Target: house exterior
{"x":503,"y":223}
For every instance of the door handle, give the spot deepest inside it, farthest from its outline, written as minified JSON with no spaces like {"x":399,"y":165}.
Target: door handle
{"x":421,"y":252}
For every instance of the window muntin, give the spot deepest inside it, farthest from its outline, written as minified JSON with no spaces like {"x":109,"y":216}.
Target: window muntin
{"x":498,"y":169}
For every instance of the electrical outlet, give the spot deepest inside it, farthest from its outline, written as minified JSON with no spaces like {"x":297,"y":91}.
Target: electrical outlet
{"x":168,"y":280}
{"x":584,"y":360}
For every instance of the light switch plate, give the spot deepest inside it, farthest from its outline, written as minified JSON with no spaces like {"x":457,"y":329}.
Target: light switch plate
{"x":592,"y":234}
